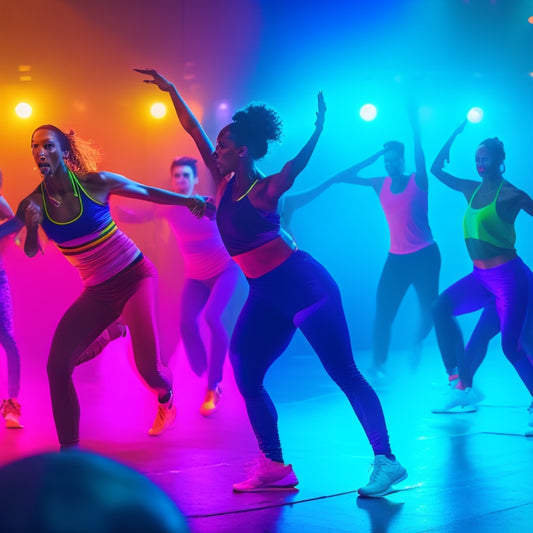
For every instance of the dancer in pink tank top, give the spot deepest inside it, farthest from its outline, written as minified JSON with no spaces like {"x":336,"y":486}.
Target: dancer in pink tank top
{"x":414,"y":257}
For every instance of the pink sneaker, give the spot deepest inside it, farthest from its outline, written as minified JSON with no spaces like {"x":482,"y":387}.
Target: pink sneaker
{"x":268,"y":475}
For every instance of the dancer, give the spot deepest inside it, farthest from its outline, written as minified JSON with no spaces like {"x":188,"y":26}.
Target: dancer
{"x":71,"y":205}
{"x":499,"y":275}
{"x":414,"y":257}
{"x":211,"y":277}
{"x":288,"y":289}
{"x":10,"y":407}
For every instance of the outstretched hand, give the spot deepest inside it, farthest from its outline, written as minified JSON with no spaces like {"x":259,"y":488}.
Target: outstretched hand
{"x":459,"y":129}
{"x":197,"y":206}
{"x":461,"y":126}
{"x":321,"y":113}
{"x":157,"y":79}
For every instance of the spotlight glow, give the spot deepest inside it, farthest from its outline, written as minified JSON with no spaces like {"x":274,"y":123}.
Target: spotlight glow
{"x":475,"y":115}
{"x":23,"y":110}
{"x":368,"y":112}
{"x":158,"y":110}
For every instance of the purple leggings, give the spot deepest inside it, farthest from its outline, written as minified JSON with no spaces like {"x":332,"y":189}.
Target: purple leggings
{"x":207,"y":298}
{"x":130,"y":293}
{"x":507,"y":286}
{"x":299,"y":293}
{"x":7,"y":340}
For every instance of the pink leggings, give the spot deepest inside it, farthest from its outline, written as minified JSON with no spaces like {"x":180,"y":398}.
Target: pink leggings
{"x":130,"y":293}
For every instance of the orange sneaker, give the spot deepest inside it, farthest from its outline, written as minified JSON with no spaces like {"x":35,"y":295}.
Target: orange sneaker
{"x":212,"y":397}
{"x":10,"y":410}
{"x":166,"y":414}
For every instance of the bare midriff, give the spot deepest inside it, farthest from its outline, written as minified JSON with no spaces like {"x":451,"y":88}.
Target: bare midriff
{"x":267,"y":257}
{"x":495,"y":261}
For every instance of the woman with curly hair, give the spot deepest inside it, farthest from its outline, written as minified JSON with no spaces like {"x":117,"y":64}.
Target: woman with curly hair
{"x":288,"y":289}
{"x":499,"y":276}
{"x":71,"y":204}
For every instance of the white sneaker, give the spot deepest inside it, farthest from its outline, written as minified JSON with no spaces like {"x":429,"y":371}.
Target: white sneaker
{"x":268,"y":475}
{"x":385,"y":473}
{"x":458,"y":401}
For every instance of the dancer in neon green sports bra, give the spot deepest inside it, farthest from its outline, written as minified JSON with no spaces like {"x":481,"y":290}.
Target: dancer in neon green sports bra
{"x":499,"y":281}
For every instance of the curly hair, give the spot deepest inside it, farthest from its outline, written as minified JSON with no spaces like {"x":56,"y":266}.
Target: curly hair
{"x":495,"y":147}
{"x":255,"y":126}
{"x":81,"y":155}
{"x":185,"y":161}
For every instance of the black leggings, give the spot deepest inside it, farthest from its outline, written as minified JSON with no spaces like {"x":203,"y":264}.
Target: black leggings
{"x":420,"y":269}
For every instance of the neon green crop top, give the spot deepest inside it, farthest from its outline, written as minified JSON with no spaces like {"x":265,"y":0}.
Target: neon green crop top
{"x":486,"y":225}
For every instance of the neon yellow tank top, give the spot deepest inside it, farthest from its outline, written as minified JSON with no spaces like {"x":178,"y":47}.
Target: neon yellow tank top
{"x":486,"y":225}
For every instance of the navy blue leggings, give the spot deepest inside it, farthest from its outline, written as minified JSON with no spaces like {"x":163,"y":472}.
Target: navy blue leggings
{"x":507,"y":286}
{"x":300,"y":293}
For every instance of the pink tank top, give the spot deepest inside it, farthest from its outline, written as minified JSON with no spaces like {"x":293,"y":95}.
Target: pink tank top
{"x":200,"y":244}
{"x":407,"y":217}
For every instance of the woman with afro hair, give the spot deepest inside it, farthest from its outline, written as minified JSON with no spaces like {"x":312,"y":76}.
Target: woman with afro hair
{"x":288,"y":289}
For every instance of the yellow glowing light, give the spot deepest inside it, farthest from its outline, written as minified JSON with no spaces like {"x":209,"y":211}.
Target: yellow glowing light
{"x":158,"y":110}
{"x":23,"y":110}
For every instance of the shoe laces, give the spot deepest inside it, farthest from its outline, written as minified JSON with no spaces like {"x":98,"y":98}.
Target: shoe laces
{"x":379,"y":470}
{"x":258,"y":465}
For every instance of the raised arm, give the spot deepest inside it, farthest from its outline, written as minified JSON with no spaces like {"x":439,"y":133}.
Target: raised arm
{"x":283,"y":181}
{"x":294,"y":201}
{"x":467,"y":187}
{"x":350,"y":175}
{"x":421,"y":174}
{"x":187,"y":120}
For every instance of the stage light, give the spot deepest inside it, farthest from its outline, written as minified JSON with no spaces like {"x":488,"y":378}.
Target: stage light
{"x":368,"y":112}
{"x":530,"y":20}
{"x":23,"y":110}
{"x":475,"y":115}
{"x":158,"y":110}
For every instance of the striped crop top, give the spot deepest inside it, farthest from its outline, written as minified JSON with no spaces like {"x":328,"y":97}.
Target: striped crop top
{"x":91,"y":241}
{"x":486,"y":225}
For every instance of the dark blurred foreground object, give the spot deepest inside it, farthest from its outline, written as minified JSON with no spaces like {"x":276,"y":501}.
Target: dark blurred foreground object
{"x":81,"y":492}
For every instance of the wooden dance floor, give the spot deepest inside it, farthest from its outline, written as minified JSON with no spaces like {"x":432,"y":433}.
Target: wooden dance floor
{"x":467,"y":472}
